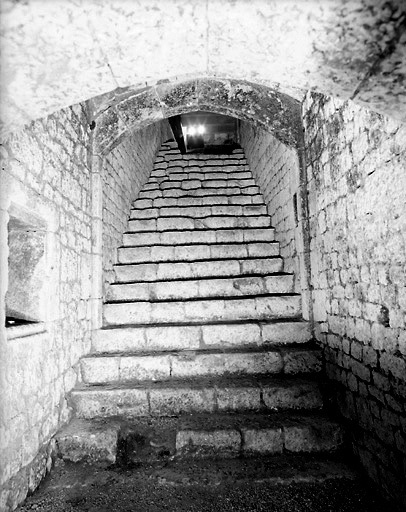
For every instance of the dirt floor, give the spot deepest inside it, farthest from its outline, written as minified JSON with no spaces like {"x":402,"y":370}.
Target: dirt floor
{"x":202,"y":487}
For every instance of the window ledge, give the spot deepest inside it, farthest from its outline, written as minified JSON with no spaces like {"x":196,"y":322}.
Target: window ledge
{"x":21,"y":331}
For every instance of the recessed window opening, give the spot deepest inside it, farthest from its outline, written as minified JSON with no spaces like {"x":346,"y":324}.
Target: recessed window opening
{"x":26,"y":269}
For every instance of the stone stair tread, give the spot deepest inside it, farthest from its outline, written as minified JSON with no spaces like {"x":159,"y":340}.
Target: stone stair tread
{"x":197,"y":394}
{"x":195,"y":252}
{"x":169,"y":271}
{"x":164,"y":224}
{"x":224,"y":309}
{"x":224,"y":235}
{"x":247,"y":434}
{"x":201,"y":335}
{"x":218,"y":382}
{"x":233,"y":286}
{"x":280,"y":348}
{"x":203,"y":299}
{"x":98,"y":368}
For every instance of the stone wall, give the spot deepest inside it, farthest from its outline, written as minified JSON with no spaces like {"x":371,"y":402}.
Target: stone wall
{"x":276,"y":169}
{"x":356,"y":164}
{"x":124,"y":171}
{"x":45,"y":194}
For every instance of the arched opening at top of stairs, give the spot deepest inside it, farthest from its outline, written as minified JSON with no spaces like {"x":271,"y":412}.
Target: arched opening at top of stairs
{"x":124,"y":111}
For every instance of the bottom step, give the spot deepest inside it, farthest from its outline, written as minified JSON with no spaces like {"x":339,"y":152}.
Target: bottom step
{"x":205,"y":435}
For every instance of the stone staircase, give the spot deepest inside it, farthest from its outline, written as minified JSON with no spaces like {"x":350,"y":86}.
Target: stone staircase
{"x":203,"y":352}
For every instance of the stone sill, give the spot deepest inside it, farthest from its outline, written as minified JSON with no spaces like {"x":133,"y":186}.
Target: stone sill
{"x":22,"y":331}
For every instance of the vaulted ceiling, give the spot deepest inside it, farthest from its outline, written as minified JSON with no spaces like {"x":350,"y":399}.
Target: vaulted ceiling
{"x":60,"y":52}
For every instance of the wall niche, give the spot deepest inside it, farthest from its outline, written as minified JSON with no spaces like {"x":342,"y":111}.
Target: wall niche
{"x":25,"y":297}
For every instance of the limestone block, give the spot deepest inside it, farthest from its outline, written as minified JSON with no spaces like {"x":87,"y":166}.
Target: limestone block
{"x":90,"y":441}
{"x":193,"y":364}
{"x":312,"y":435}
{"x":257,"y":235}
{"x":306,"y":361}
{"x":96,"y":370}
{"x":176,"y":400}
{"x":238,"y":397}
{"x":144,"y":367}
{"x":206,"y":443}
{"x":262,"y":266}
{"x":231,"y":335}
{"x":253,"y":363}
{"x":297,"y":395}
{"x":262,"y":441}
{"x":107,"y":402}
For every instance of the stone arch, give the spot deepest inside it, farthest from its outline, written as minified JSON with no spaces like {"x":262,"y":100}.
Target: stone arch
{"x":123,"y":111}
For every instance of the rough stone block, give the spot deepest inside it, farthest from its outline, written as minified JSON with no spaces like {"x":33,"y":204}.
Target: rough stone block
{"x":90,"y":441}
{"x":107,"y":402}
{"x":201,"y":443}
{"x":297,"y":395}
{"x":312,"y":436}
{"x":238,"y":397}
{"x":302,"y":361}
{"x":262,"y":441}
{"x":133,"y":368}
{"x":96,"y":370}
{"x":177,"y":400}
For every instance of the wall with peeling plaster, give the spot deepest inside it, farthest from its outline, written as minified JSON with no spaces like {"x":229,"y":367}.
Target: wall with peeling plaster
{"x":122,"y":111}
{"x":347,"y":49}
{"x":356,"y":162}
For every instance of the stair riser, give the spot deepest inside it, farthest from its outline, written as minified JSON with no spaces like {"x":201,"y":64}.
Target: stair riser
{"x":196,"y":252}
{"x":186,"y":174}
{"x":301,"y":438}
{"x":97,"y":441}
{"x":184,"y":183}
{"x":188,"y":202}
{"x":137,"y":339}
{"x":198,"y":211}
{"x":259,"y":308}
{"x":220,"y":268}
{"x":199,"y":192}
{"x":176,"y":290}
{"x":199,"y":237}
{"x":122,"y":369}
{"x":186,"y":223}
{"x":136,"y":402}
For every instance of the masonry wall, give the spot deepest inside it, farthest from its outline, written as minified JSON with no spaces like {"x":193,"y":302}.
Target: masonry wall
{"x":46,"y":188}
{"x":125,"y":170}
{"x":276,"y":169}
{"x":356,"y":165}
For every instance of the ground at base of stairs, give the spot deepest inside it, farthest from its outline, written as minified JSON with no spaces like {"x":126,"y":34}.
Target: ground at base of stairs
{"x":206,"y":486}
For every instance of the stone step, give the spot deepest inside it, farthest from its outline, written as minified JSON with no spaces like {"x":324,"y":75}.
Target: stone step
{"x":200,"y":336}
{"x":188,"y":223}
{"x":201,"y":288}
{"x":255,"y":393}
{"x":208,"y":236}
{"x":212,"y":310}
{"x":234,"y":436}
{"x":181,"y":165}
{"x":185,"y":183}
{"x":201,"y":435}
{"x":198,"y":201}
{"x":198,"y":211}
{"x":166,"y":271}
{"x":157,"y":253}
{"x":122,"y":368}
{"x":199,"y":192}
{"x":201,"y":174}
